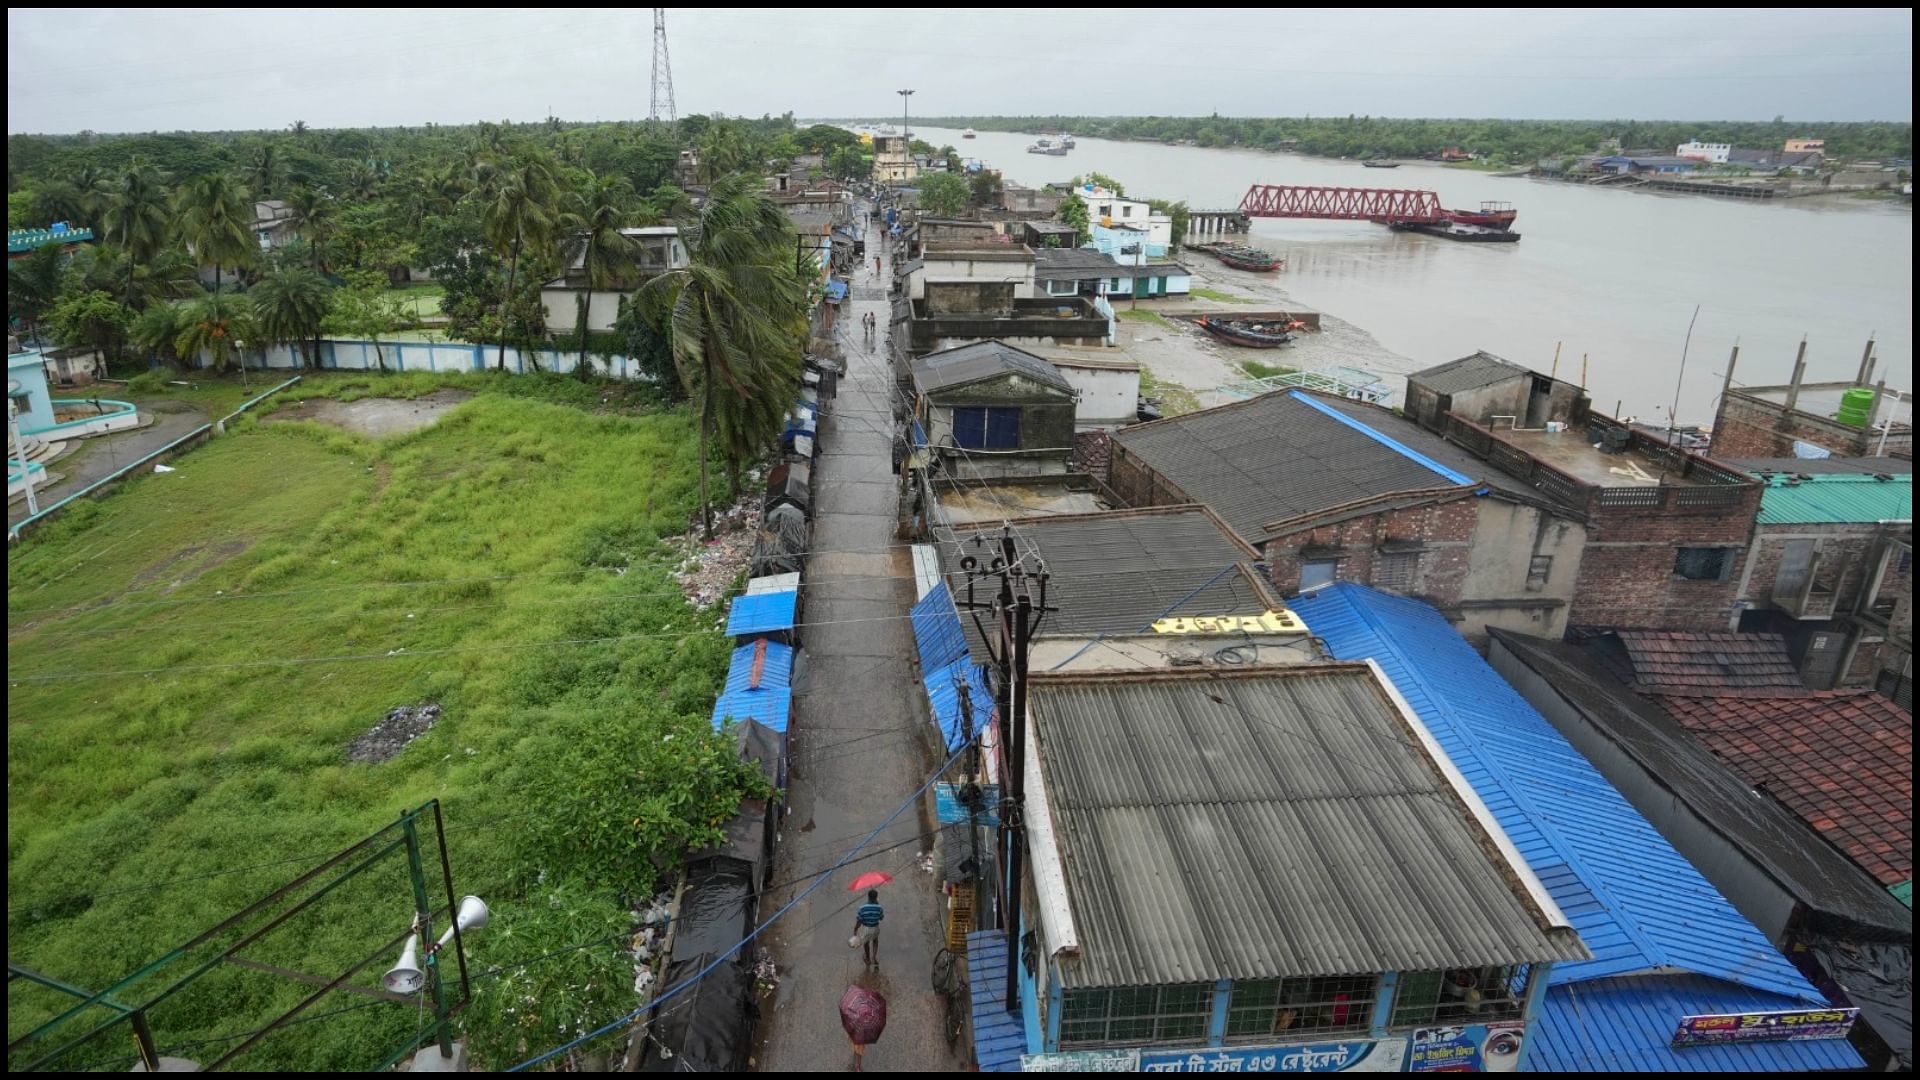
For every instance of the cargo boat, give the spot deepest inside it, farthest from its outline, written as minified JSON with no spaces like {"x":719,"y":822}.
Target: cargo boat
{"x":1453,"y":230}
{"x":1491,"y":215}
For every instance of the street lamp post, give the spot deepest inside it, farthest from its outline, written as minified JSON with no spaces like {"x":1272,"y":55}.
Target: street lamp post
{"x":906,"y":137}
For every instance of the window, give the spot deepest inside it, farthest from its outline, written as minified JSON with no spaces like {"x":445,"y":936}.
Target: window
{"x":1136,"y":1015}
{"x":1461,"y":996}
{"x":1126,"y":209}
{"x":1115,"y":285}
{"x":1395,"y":570}
{"x":1311,"y":1006}
{"x":986,"y":429}
{"x":1539,"y":569}
{"x":1318,"y":572}
{"x":1703,"y":563}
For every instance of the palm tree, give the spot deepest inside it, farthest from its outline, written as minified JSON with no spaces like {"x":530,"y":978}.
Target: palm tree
{"x":736,"y":317}
{"x":216,"y":217}
{"x":360,"y":181}
{"x":33,"y":283}
{"x":136,"y":217}
{"x":519,"y":212}
{"x":595,"y":214}
{"x":266,"y":169}
{"x":289,"y":306}
{"x":299,"y":129}
{"x":94,"y":187}
{"x":314,"y":209}
{"x":157,"y":330}
{"x":213,"y":325}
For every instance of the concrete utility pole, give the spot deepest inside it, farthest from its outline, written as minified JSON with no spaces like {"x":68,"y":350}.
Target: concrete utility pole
{"x":1017,"y":613}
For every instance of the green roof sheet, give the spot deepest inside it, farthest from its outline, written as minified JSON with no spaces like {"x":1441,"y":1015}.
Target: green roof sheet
{"x":1904,"y":891}
{"x":1836,"y":499}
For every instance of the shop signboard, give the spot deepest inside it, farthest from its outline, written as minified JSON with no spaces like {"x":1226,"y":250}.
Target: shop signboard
{"x":1786,"y":1025}
{"x":1471,"y":1048}
{"x":1385,"y":1055}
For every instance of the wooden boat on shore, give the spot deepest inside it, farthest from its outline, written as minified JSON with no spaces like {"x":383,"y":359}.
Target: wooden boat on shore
{"x":1252,"y":333}
{"x":1380,"y":164}
{"x":1241,"y":257}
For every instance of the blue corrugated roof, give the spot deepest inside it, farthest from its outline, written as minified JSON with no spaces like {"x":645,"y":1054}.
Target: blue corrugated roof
{"x":770,"y":700}
{"x":936,"y":630}
{"x":950,"y":810}
{"x":836,"y":290}
{"x":762,"y":613}
{"x":999,"y":1037}
{"x":1637,"y":903}
{"x":943,"y":661}
{"x":943,"y":694}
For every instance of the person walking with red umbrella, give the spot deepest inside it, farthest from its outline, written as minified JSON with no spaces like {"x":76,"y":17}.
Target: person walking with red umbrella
{"x":863,"y":1016}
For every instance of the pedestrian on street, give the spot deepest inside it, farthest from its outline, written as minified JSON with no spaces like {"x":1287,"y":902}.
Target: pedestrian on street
{"x":863,"y":1016}
{"x":876,"y":266}
{"x":866,"y":928}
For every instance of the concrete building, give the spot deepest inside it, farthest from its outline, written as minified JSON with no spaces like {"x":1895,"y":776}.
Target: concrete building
{"x":1085,"y":272}
{"x":1336,"y":490}
{"x":1658,"y":164}
{"x":1840,"y":923}
{"x":989,"y":409}
{"x":1856,"y":418}
{"x":1109,"y":209}
{"x":1711,"y":153}
{"x":892,"y":160}
{"x":1831,"y":554}
{"x":959,"y":313}
{"x":1218,"y":788}
{"x":1666,"y":530}
{"x":275,"y":224}
{"x":1107,"y":386}
{"x":962,"y":276}
{"x":1666,"y":942}
{"x":1805,"y":146}
{"x":654,"y":249}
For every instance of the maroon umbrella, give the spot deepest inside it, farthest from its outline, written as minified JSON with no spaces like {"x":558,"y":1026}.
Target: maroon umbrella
{"x":863,"y":1013}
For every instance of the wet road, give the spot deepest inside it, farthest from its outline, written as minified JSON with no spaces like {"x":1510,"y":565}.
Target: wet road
{"x":861,"y":745}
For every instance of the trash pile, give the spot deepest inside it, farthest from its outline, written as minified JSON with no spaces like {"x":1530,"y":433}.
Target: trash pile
{"x":650,"y":939}
{"x":391,"y":735}
{"x":710,"y":567}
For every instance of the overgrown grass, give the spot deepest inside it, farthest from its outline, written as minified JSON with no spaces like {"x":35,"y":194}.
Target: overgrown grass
{"x":1256,"y":369}
{"x":1219,"y":297}
{"x":1141,"y":315}
{"x":1174,"y":399}
{"x":189,"y":660}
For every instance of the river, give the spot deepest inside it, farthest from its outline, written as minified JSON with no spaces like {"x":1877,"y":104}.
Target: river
{"x":1613,"y":275}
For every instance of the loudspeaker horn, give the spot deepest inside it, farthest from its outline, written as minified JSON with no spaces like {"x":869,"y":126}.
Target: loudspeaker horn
{"x":473,"y":915}
{"x":405,"y":977}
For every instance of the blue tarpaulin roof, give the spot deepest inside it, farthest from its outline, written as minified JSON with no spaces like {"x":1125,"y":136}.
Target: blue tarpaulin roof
{"x":769,"y":699}
{"x":762,"y":613}
{"x":836,"y":291}
{"x":1638,"y":904}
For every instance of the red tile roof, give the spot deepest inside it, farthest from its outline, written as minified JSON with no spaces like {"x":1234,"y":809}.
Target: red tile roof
{"x":1706,"y":663}
{"x":1841,"y":759}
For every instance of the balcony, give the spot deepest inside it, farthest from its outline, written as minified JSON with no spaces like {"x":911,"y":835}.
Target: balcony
{"x":1816,"y":601}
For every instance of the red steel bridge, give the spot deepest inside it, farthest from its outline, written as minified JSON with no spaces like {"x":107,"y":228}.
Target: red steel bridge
{"x":1342,"y":203}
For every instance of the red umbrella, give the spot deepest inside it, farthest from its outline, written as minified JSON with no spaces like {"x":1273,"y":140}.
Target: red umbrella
{"x":863,"y":1013}
{"x":869,"y":880}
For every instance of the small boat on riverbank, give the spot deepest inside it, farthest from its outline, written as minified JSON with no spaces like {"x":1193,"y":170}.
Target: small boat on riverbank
{"x":1379,"y":164}
{"x":1241,"y":257}
{"x":1491,"y":215}
{"x":1254,"y":334}
{"x":1453,"y":230}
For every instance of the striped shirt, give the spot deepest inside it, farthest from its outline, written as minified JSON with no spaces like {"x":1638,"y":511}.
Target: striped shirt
{"x":870,"y":914}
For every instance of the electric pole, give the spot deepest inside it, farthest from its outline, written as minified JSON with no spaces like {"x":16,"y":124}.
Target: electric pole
{"x":662,"y":74}
{"x":1018,"y":607}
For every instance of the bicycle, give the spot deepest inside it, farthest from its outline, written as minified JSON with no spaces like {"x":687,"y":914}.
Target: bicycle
{"x":948,"y":983}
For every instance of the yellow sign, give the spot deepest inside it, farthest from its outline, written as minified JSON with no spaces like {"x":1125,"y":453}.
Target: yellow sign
{"x":1271,"y":622}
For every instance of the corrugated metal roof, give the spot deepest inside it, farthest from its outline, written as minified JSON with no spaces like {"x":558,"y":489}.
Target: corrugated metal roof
{"x":943,"y":696}
{"x":765,"y":695}
{"x":1277,"y":457}
{"x":1836,"y":499}
{"x":762,"y":613}
{"x":980,"y":360}
{"x":1467,"y":373}
{"x":1264,"y":824}
{"x":936,"y":629}
{"x":1624,"y":1025}
{"x":1638,"y":904}
{"x":1856,"y":466}
{"x":999,"y":1036}
{"x":1117,"y":572}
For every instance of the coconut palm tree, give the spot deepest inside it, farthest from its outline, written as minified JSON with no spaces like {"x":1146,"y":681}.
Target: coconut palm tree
{"x":214,"y":325}
{"x":519,"y":213}
{"x":595,"y":214}
{"x":360,"y":181}
{"x":136,"y":218}
{"x":157,"y":330}
{"x":94,"y":187}
{"x":315,"y":210}
{"x":736,"y":320}
{"x":266,"y":170}
{"x":289,"y":306}
{"x":216,"y":216}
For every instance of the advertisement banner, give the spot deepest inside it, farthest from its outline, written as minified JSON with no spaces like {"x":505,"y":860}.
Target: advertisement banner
{"x":1383,"y":1056}
{"x":1784,"y":1026}
{"x":1082,"y":1061}
{"x":1473,"y":1048}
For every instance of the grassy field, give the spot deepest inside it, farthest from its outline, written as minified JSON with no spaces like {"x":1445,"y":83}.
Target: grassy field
{"x":1256,"y":369}
{"x":1219,"y":297}
{"x":1152,"y":318}
{"x":189,"y":660}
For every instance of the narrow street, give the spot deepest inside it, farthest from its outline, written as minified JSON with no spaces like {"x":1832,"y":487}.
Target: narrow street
{"x":860,"y":744}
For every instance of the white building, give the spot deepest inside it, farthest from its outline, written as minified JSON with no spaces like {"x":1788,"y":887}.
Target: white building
{"x":1712,"y":152}
{"x":1107,"y":207}
{"x":964,"y":262}
{"x":892,"y":160}
{"x":658,"y":248}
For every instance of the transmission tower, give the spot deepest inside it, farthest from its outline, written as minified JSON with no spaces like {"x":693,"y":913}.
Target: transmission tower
{"x":662,"y":72}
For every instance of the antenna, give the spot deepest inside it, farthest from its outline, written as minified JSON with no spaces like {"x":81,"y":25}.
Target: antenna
{"x":662,"y":72}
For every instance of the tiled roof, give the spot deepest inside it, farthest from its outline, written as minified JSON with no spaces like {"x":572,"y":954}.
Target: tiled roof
{"x":1836,"y":499}
{"x":1467,"y":373}
{"x":1841,"y":759}
{"x":1687,"y":662}
{"x":1286,"y":454}
{"x":1639,"y":905}
{"x":1262,"y":824}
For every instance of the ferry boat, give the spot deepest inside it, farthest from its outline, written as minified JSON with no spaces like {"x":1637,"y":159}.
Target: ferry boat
{"x":967,"y":134}
{"x":1047,"y":147}
{"x":1066,"y":141}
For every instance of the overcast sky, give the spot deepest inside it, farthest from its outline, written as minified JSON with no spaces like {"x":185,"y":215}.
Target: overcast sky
{"x":144,"y":70}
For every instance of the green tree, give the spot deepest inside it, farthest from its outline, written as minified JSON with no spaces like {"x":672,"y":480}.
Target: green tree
{"x":266,"y":170}
{"x":519,"y":212}
{"x":597,"y":210}
{"x":216,"y":218}
{"x":136,"y":218}
{"x":290,"y":306}
{"x":1104,"y":181}
{"x":987,"y":188}
{"x":33,"y":284}
{"x":1073,"y":211}
{"x":367,"y":310}
{"x":157,"y":330}
{"x":214,"y":325}
{"x":315,"y":210}
{"x":645,"y":342}
{"x":1178,"y":212}
{"x":92,"y":318}
{"x":848,"y":163}
{"x":736,"y":318}
{"x":943,"y":194}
